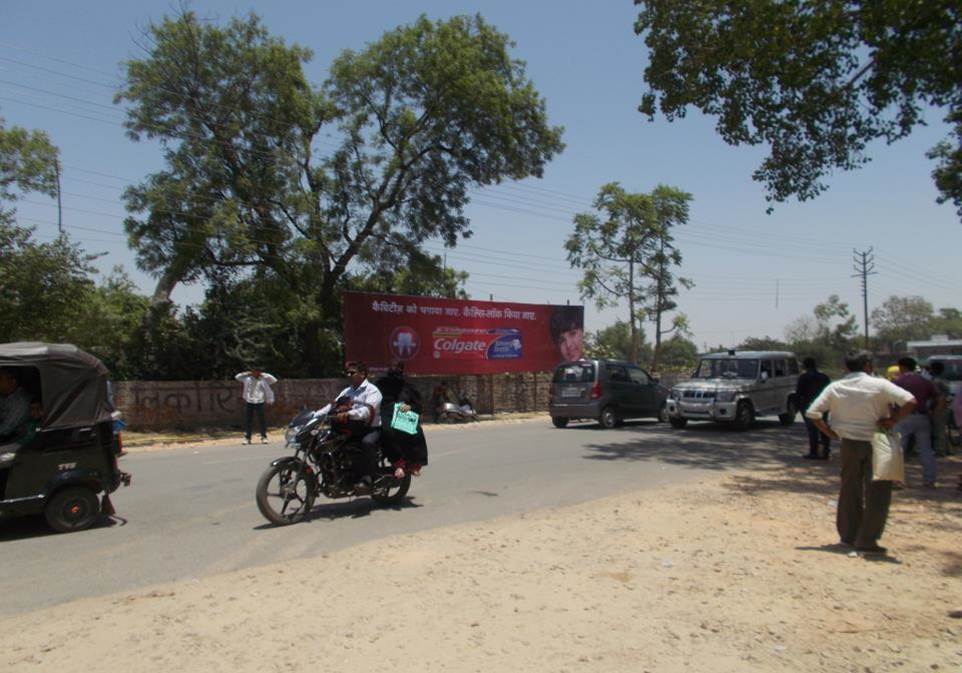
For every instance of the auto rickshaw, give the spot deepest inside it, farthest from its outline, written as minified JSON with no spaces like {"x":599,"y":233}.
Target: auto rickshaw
{"x":63,"y":465}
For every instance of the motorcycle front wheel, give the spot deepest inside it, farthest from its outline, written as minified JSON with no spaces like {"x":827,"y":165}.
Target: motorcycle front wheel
{"x":284,"y":493}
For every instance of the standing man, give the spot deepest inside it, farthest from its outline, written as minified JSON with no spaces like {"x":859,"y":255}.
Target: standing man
{"x":940,"y":409}
{"x":918,"y":424}
{"x":857,"y":404}
{"x":257,"y":393}
{"x":810,"y":384}
{"x":363,"y":400}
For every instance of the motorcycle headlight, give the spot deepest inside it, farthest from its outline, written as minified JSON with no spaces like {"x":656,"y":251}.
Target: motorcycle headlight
{"x":725,"y":395}
{"x":292,"y":433}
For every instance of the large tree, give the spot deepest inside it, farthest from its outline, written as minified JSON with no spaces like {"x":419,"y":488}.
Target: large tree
{"x":814,"y":80}
{"x":322,"y":187}
{"x":901,"y":319}
{"x":626,"y":251}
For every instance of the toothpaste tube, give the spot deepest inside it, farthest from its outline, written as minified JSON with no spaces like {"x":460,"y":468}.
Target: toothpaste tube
{"x":470,"y":343}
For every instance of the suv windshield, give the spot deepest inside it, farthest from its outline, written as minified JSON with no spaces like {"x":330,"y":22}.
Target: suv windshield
{"x":582,"y":372}
{"x":730,"y":368}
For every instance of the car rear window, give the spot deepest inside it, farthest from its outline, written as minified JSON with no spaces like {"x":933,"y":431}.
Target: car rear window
{"x":582,"y":372}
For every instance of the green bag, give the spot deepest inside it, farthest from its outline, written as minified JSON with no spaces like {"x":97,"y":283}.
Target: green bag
{"x":404,"y":421}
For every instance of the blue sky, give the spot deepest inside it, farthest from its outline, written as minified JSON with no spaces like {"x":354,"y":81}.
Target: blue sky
{"x":60,"y":62}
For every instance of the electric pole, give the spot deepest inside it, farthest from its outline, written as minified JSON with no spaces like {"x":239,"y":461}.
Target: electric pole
{"x":56,"y":164}
{"x":864,"y":265}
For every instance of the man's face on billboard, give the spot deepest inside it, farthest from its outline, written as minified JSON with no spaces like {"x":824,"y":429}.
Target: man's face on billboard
{"x":571,"y":344}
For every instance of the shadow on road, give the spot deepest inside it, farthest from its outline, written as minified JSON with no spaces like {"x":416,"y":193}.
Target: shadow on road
{"x":354,"y":509}
{"x":35,"y":526}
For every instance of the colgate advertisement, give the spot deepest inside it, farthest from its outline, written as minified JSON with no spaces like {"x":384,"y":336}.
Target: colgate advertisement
{"x":451,"y":336}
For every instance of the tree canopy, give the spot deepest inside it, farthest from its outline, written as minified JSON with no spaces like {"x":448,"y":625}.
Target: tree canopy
{"x":626,"y":251}
{"x":326,"y":187}
{"x":815,"y":81}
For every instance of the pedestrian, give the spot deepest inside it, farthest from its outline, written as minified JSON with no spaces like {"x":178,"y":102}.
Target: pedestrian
{"x":810,"y":384}
{"x":257,"y":393}
{"x":940,"y":408}
{"x":857,"y":405}
{"x":918,"y":425}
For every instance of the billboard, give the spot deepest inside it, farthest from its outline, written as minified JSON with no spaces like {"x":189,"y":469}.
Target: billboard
{"x":452,"y":336}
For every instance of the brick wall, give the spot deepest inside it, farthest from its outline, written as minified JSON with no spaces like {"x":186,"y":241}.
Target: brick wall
{"x":157,"y":405}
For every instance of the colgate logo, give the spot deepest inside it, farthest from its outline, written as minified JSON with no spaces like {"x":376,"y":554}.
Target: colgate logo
{"x":457,"y":346}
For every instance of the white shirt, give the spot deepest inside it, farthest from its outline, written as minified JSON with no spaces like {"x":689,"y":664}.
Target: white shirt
{"x":365,"y":400}
{"x":257,"y":391}
{"x":856,"y":403}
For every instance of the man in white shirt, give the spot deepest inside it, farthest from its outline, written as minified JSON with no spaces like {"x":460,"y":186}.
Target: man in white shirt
{"x":365,"y":408}
{"x":257,"y":392}
{"x":858,"y":404}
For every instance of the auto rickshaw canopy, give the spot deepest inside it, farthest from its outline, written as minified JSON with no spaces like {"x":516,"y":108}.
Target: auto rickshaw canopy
{"x":73,"y":383}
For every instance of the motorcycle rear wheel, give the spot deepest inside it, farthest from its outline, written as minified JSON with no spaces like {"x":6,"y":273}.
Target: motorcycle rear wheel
{"x":393,"y":494}
{"x":285,"y":494}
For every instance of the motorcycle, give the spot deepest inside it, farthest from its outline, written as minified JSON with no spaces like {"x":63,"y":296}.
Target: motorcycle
{"x":449,"y":412}
{"x":326,"y":461}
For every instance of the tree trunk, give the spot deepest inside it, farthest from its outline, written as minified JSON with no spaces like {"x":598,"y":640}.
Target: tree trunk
{"x":635,"y":345}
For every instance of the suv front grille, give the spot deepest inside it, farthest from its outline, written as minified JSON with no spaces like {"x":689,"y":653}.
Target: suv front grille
{"x":698,"y":394}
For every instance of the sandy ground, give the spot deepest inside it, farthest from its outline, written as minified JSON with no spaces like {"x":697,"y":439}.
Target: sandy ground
{"x":734,"y":573}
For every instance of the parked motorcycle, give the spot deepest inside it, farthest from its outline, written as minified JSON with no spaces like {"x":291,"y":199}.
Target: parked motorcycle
{"x":326,"y":461}
{"x":463,"y":411}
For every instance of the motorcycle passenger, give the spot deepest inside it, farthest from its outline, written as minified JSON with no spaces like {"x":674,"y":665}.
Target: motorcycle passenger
{"x":365,"y":407}
{"x":408,"y":453}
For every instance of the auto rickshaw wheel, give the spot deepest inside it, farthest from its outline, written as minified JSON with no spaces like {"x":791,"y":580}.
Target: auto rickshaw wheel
{"x":72,"y":509}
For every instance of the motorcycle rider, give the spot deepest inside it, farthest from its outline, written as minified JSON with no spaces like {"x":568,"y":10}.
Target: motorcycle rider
{"x":365,"y":407}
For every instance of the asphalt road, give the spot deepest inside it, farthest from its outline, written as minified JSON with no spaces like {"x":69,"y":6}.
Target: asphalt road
{"x":190,"y":512}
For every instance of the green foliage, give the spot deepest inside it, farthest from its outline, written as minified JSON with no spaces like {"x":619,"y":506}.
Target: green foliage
{"x":27,"y":164}
{"x":614,"y":342}
{"x":678,"y":354}
{"x":626,"y":250}
{"x":43,"y":286}
{"x":765,"y":343}
{"x":901,"y":319}
{"x":814,"y":81}
{"x":417,"y":119}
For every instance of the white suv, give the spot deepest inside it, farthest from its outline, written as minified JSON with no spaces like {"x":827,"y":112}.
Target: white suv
{"x":736,"y":387}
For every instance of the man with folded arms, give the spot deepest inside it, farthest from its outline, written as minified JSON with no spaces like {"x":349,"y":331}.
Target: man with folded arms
{"x":857,"y":405}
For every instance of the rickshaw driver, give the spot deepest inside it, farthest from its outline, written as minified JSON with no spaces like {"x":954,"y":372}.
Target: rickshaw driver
{"x":14,"y":405}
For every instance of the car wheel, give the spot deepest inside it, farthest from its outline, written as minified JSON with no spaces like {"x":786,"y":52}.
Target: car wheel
{"x":559,"y":422}
{"x":608,"y":418}
{"x":663,"y":414}
{"x":790,"y":411}
{"x":744,"y":416}
{"x":678,"y":423}
{"x":72,"y":509}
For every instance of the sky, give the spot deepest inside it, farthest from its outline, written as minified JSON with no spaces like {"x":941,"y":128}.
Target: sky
{"x":754,"y":273}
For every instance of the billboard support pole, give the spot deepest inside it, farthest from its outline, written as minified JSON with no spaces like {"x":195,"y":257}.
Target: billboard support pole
{"x":491,"y":391}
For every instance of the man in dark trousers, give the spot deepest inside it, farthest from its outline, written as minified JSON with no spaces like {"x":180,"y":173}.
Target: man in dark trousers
{"x":810,"y":384}
{"x":857,"y":405}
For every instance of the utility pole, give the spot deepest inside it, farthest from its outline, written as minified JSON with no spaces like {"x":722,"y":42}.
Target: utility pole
{"x":864,"y":265}
{"x":56,"y":163}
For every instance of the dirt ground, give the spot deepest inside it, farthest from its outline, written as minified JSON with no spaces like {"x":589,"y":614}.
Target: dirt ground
{"x":739,"y":572}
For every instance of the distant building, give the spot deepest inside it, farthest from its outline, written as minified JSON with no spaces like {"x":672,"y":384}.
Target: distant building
{"x":938,"y":344}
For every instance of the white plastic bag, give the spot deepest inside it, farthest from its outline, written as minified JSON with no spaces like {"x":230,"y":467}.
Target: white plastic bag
{"x":888,"y":464}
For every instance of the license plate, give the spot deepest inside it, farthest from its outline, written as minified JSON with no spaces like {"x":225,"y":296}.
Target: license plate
{"x":571,"y":392}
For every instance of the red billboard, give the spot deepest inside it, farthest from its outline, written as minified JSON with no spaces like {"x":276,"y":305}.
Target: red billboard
{"x":453,"y":336}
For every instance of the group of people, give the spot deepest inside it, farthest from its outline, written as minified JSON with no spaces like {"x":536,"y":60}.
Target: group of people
{"x":367,"y":408}
{"x":850,"y":411}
